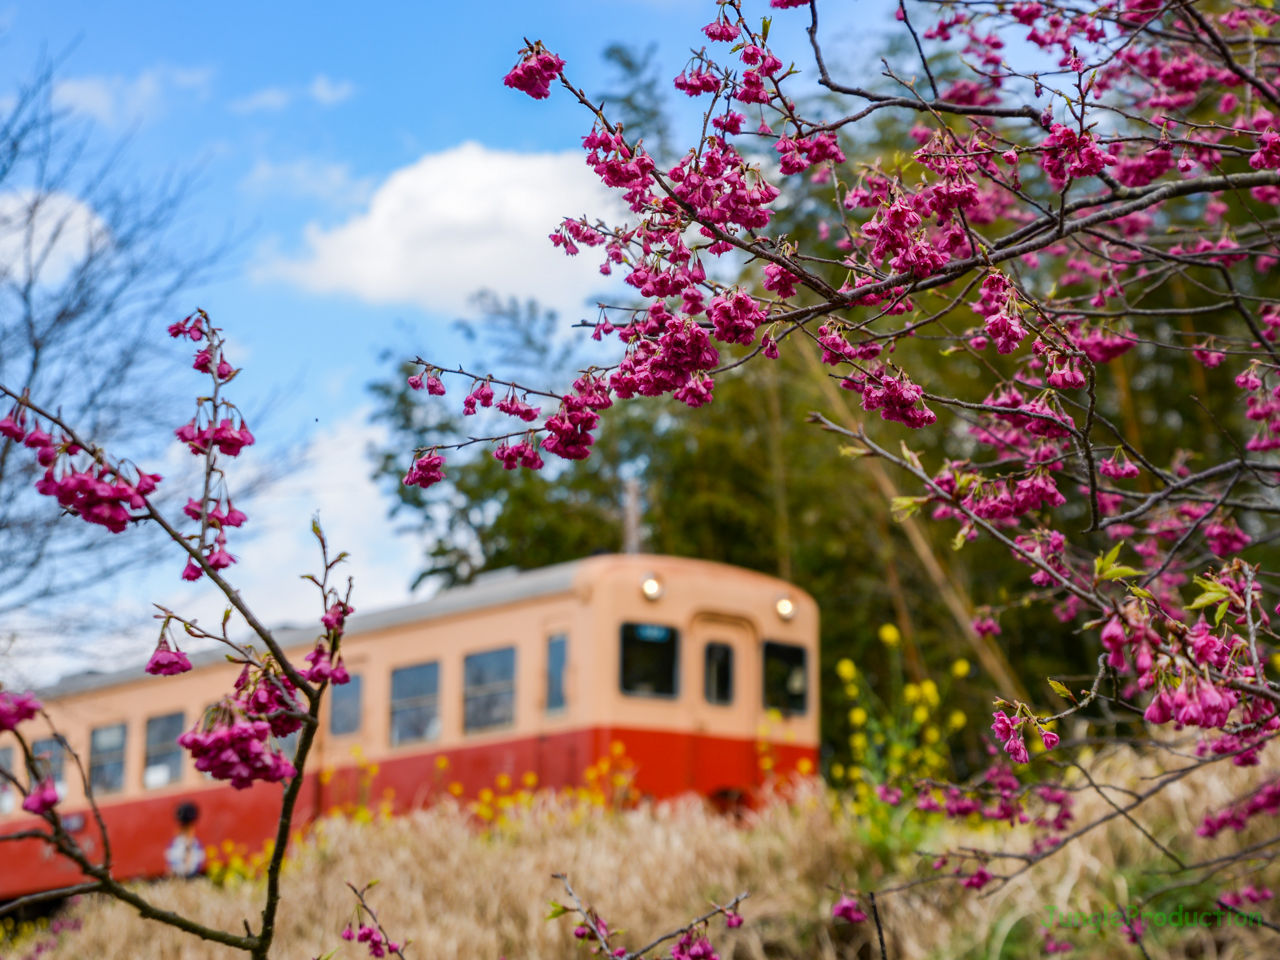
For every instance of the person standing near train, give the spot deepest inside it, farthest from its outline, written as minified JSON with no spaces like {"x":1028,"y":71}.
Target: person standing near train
{"x":185,"y":855}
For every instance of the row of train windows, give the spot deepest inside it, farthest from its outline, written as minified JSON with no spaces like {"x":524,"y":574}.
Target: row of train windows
{"x":106,"y":755}
{"x":649,"y":655}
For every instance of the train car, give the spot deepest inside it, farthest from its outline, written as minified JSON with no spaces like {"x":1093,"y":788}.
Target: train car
{"x":697,"y":670}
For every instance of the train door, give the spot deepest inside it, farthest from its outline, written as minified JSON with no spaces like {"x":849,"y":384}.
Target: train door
{"x":724,"y":683}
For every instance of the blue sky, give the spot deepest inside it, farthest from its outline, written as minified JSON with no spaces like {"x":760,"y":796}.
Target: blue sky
{"x":377,"y":173}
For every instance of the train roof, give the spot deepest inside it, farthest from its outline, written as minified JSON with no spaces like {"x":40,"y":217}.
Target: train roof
{"x":488,"y":589}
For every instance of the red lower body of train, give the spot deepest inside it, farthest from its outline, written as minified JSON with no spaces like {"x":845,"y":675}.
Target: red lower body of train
{"x":666,"y":765}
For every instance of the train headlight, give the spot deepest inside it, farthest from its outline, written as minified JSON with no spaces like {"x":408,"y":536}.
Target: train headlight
{"x":785,"y":607}
{"x":652,"y":587}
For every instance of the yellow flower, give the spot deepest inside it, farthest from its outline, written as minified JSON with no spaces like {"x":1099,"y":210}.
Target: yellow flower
{"x":442,"y":762}
{"x":845,"y":670}
{"x":858,"y":742}
{"x":911,"y":693}
{"x":766,"y":763}
{"x":503,"y":781}
{"x":486,"y":795}
{"x":890,"y":635}
{"x":857,"y":716}
{"x":920,"y":714}
{"x":530,"y":779}
{"x":896,"y":750}
{"x":960,"y":668}
{"x":929,"y":690}
{"x":851,"y":689}
{"x":956,"y":720}
{"x":1275,"y":660}
{"x":930,"y":735}
{"x":455,"y":788}
{"x":617,"y":748}
{"x":837,"y":771}
{"x":804,"y":766}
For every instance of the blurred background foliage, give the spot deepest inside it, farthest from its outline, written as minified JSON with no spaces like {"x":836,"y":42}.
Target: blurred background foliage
{"x":747,"y":480}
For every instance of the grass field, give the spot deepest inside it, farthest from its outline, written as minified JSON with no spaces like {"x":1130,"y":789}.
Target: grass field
{"x":460,"y":889}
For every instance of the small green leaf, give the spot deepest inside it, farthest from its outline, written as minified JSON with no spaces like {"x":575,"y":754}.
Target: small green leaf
{"x":911,"y":457}
{"x":1208,"y":599}
{"x":1221,"y":612}
{"x":958,"y":541}
{"x":765,"y":24}
{"x":1115,"y":573}
{"x":557,"y":910}
{"x":904,"y":507}
{"x":1061,"y":689}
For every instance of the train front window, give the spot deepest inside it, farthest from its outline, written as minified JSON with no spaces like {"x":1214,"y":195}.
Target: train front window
{"x":164,"y":756}
{"x":786,"y":679}
{"x":649,"y":657}
{"x":415,"y":713}
{"x":718,"y":683}
{"x":557,"y":657}
{"x":344,"y":710}
{"x":106,"y":758}
{"x":489,"y":690}
{"x":48,"y":755}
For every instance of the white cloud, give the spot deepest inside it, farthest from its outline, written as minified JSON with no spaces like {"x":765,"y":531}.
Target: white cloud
{"x":322,"y":90}
{"x":330,"y":182}
{"x":458,"y":221}
{"x":117,"y":101}
{"x":57,"y":229}
{"x":334,"y":482}
{"x":327,"y":93}
{"x":275,"y":549}
{"x":272,"y":98}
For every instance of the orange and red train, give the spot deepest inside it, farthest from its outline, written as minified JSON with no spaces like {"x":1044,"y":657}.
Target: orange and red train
{"x":692,"y":665}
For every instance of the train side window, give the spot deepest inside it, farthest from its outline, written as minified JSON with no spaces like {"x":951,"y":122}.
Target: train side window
{"x":8,"y":796}
{"x":415,"y":713}
{"x":557,"y":658}
{"x":164,"y":756}
{"x":718,"y":682}
{"x":649,"y":657}
{"x":489,"y":689}
{"x":48,"y":754}
{"x":786,"y":679}
{"x":344,"y":709}
{"x":106,"y":758}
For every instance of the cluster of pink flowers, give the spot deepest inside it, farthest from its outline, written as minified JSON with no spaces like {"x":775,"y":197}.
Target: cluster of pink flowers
{"x":1068,"y":155}
{"x":897,"y":399}
{"x":846,"y":908}
{"x":535,"y":72}
{"x":379,"y":946}
{"x":228,"y":746}
{"x":426,"y":471}
{"x":16,"y":708}
{"x":42,"y":797}
{"x":167,"y":661}
{"x":96,"y":492}
{"x":692,"y":946}
{"x":1264,"y":800}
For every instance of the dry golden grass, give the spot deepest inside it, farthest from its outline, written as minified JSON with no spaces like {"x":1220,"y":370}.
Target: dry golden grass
{"x":460,"y":894}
